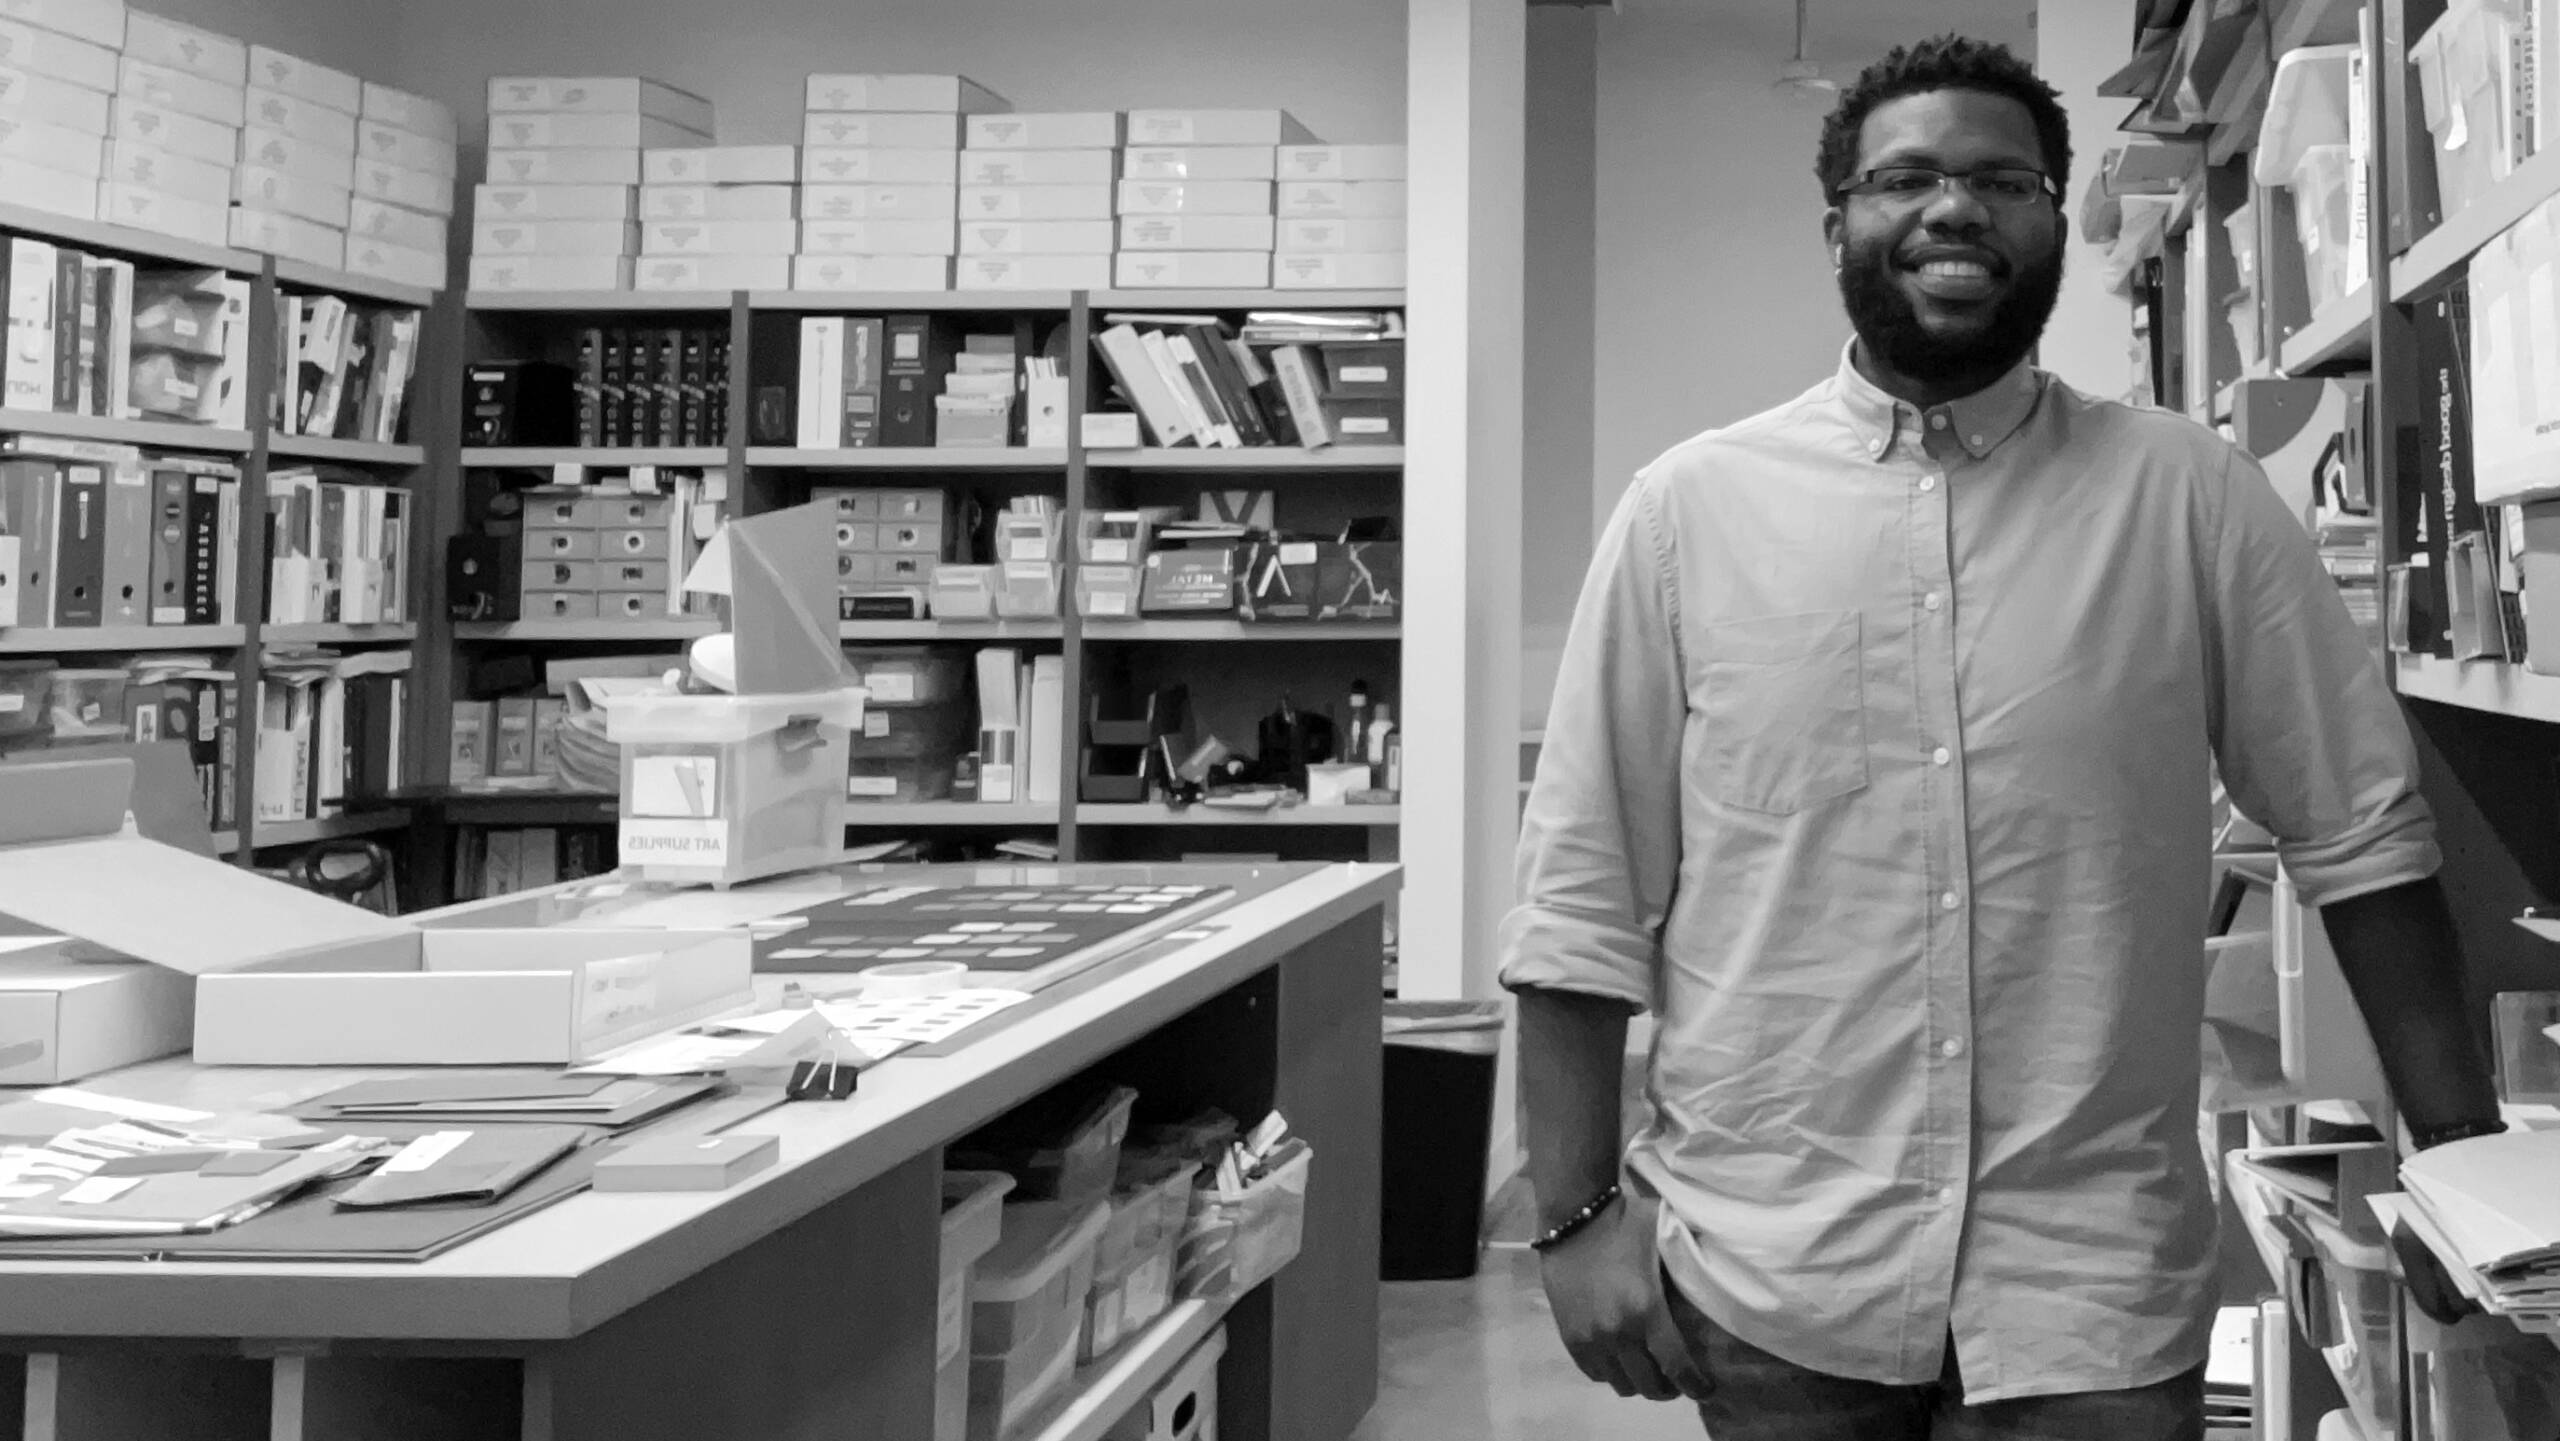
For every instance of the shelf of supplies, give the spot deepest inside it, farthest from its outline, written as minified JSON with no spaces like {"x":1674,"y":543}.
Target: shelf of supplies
{"x":926,"y":457}
{"x":1229,"y":629}
{"x":1142,"y":814}
{"x":1260,"y":457}
{"x":2442,"y":250}
{"x":77,"y":640}
{"x":588,"y":302}
{"x":672,"y":627}
{"x":1162,"y":300}
{"x":2485,"y":685}
{"x":326,"y":828}
{"x":2341,"y":334}
{"x":163,"y":434}
{"x":226,"y":843}
{"x":125,"y":240}
{"x":600,"y":457}
{"x":346,"y":452}
{"x":995,"y":630}
{"x":332,"y":633}
{"x":1103,"y":1394}
{"x":874,"y":815}
{"x":304,"y":276}
{"x":911,"y":300}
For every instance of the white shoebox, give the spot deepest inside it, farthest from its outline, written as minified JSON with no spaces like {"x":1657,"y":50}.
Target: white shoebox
{"x":720,"y":237}
{"x":879,"y":202}
{"x":98,"y":22}
{"x":830,"y":165}
{"x":262,"y":188}
{"x":55,"y":192}
{"x":1195,"y":197}
{"x":551,"y":272}
{"x":555,"y":237}
{"x":413,"y":113}
{"x":1196,"y":232}
{"x":46,"y":52}
{"x":403,"y":264}
{"x":161,"y":213}
{"x":304,"y":80}
{"x":134,"y":163}
{"x":1198,"y":162}
{"x":159,"y":41}
{"x":1036,"y":202}
{"x":601,"y":95}
{"x":1039,"y":167}
{"x":300,"y":158}
{"x":1032,"y":272}
{"x":871,"y":272}
{"x":33,"y":95}
{"x":571,"y":130}
{"x":1346,"y":199}
{"x":1355,"y":237}
{"x":1216,"y":127}
{"x":400,"y":226}
{"x":63,"y":1020}
{"x":52,"y":146}
{"x":303,"y":120}
{"x":415,"y":189}
{"x":1194,"y":269}
{"x":712,"y":272}
{"x":883,"y":130}
{"x":554,"y":202}
{"x":878,"y":237}
{"x":177,"y":90}
{"x":721,"y":165}
{"x":956,"y":94}
{"x":1328,"y":270}
{"x":1341,"y":162}
{"x":394,"y":146}
{"x":1035,"y":237}
{"x":565,"y":167}
{"x":1046,"y":130}
{"x":271,"y":232}
{"x":719,"y":202}
{"x":192,"y":136}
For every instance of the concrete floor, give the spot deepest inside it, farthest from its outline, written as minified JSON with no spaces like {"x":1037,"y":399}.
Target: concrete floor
{"x":1479,"y":1361}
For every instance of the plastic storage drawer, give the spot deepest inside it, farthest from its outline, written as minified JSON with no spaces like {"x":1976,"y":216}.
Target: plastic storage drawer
{"x":972,"y":1223}
{"x":1035,"y":1279}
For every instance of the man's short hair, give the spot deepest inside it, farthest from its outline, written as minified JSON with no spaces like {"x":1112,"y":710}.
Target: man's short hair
{"x":1947,"y":62}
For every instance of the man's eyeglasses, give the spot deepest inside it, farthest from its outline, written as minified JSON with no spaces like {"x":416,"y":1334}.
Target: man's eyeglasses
{"x":1999,"y":186}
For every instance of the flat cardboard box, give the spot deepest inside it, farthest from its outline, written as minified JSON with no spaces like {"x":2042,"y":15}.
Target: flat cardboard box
{"x":554,"y":202}
{"x":1337,"y":270}
{"x":1194,"y":269}
{"x":879,"y":202}
{"x":305,"y":80}
{"x":262,"y":188}
{"x":415,"y":189}
{"x":685,"y":1163}
{"x":871,"y":272}
{"x":304,"y":120}
{"x":394,"y":146}
{"x":33,"y":95}
{"x":161,"y":213}
{"x":55,"y":192}
{"x":1039,"y":167}
{"x":534,"y":130}
{"x":1195,"y":197}
{"x":565,"y":167}
{"x":1035,"y":237}
{"x":271,"y":232}
{"x":134,"y":163}
{"x":720,"y":237}
{"x":1033,"y":272}
{"x":192,"y":136}
{"x":954,"y":94}
{"x":1037,"y":202}
{"x":719,"y":202}
{"x":1216,"y":127}
{"x":1341,"y":162}
{"x":180,"y":91}
{"x":883,"y":130}
{"x":402,"y":264}
{"x":1349,"y":199}
{"x":551,"y":272}
{"x":99,"y":22}
{"x":878,"y":237}
{"x":555,"y":237}
{"x":720,"y":165}
{"x":831,"y":165}
{"x":51,"y":145}
{"x":398,"y":225}
{"x":1196,"y":232}
{"x":712,"y":272}
{"x":600,"y":95}
{"x":64,"y":1020}
{"x":185,"y":47}
{"x":1359,"y":237}
{"x":413,"y":113}
{"x":1046,"y":130}
{"x":47,"y":52}
{"x":299,"y":158}
{"x":1199,"y":162}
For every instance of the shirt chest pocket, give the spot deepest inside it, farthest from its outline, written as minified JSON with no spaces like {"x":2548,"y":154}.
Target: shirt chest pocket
{"x":1781,"y":700}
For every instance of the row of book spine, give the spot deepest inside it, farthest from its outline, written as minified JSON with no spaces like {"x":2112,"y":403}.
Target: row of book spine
{"x":653,"y":387}
{"x":329,"y":728}
{"x":512,"y":736}
{"x":337,"y":551}
{"x":94,"y":335}
{"x":491,"y":862}
{"x":851,"y":381}
{"x":345,"y":370}
{"x":1200,"y":384}
{"x":107,"y":536}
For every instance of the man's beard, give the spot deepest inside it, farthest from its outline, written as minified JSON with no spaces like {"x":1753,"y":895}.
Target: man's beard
{"x":1884,"y":319}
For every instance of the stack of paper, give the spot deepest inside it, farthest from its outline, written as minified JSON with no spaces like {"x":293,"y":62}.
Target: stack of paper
{"x":111,"y":1173}
{"x":2493,"y":1204}
{"x":524,"y":1097}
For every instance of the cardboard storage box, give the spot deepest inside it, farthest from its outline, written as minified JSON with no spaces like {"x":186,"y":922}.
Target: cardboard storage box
{"x":555,"y":237}
{"x":587,"y":132}
{"x":1032,"y":272}
{"x":1347,"y":199}
{"x":1039,"y":167}
{"x":1199,"y":162}
{"x":394,"y":146}
{"x":1216,"y":127}
{"x":719,"y":202}
{"x":564,"y":167}
{"x":832,"y":165}
{"x":331,"y":130}
{"x":272,"y":233}
{"x":1366,"y":420}
{"x":879,"y":202}
{"x":398,"y":225}
{"x":55,"y":192}
{"x":553,"y":202}
{"x":712,"y":272}
{"x":1046,"y":130}
{"x":1195,"y":269}
{"x":878,"y":237}
{"x":180,"y":91}
{"x":185,"y":47}
{"x":871,"y":272}
{"x":1327,"y":271}
{"x":67,"y":59}
{"x":1341,"y":162}
{"x":1037,"y":202}
{"x":600,"y":95}
{"x":30,"y":95}
{"x":192,"y":136}
{"x":51,"y":145}
{"x":416,"y":189}
{"x":551,"y":272}
{"x":1035,"y":237}
{"x":63,"y":1019}
{"x":304,"y":80}
{"x":679,"y":164}
{"x":390,"y":260}
{"x":161,"y":213}
{"x":883,"y":130}
{"x":1337,"y":235}
{"x":413,"y":113}
{"x":1196,"y":232}
{"x":720,"y":237}
{"x":955,"y":94}
{"x":1195,"y":197}
{"x":320,"y":201}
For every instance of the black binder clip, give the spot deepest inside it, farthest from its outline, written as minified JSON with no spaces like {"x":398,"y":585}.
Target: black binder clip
{"x":827,"y":1080}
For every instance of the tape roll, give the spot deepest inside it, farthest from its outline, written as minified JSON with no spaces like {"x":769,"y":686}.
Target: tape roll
{"x":912,"y":978}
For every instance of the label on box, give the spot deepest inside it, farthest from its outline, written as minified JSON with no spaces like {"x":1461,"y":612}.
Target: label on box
{"x":875,"y":725}
{"x":1365,"y":425}
{"x":1107,"y":602}
{"x":1159,"y":129}
{"x":1363,"y":375}
{"x":949,"y":1301}
{"x":674,"y":785}
{"x":891,"y":688}
{"x":1316,"y":271}
{"x":618,"y":993}
{"x":1298,"y":552}
{"x":682,"y":842}
{"x":425,"y":1151}
{"x":1111,"y":552}
{"x":871,"y":788}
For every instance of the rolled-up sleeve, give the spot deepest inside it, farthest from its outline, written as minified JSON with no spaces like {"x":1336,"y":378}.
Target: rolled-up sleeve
{"x":2311,"y":742}
{"x":1600,"y":842}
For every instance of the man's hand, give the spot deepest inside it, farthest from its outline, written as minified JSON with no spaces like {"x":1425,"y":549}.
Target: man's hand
{"x":1605,"y":1287}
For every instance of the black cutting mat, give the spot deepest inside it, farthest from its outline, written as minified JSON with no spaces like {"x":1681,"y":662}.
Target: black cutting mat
{"x":986,"y":928}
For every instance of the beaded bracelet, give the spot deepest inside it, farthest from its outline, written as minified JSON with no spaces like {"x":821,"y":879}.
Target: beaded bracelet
{"x":1573,"y":1224}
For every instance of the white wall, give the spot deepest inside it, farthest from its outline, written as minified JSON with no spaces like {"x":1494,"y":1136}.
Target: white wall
{"x":1557,"y":315}
{"x":2081,"y":42}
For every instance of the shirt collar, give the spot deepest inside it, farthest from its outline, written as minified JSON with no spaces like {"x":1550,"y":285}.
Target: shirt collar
{"x":1979,"y":422}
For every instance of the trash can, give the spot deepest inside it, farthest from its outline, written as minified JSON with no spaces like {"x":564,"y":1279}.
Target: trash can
{"x":1437,"y":1136}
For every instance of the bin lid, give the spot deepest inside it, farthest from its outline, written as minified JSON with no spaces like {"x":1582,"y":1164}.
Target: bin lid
{"x":1041,"y":1239}
{"x":2306,"y":106}
{"x":970,"y":1224}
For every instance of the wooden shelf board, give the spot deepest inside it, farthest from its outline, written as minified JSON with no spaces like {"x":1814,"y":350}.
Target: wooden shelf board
{"x":1101,"y":1395}
{"x":589,"y":302}
{"x":303,"y":276}
{"x":1267,"y":457}
{"x":296,"y":833}
{"x":2441,"y":250}
{"x":349,"y":452}
{"x":125,"y":240}
{"x":1236,"y":630}
{"x":160,"y":434}
{"x":2479,"y":685}
{"x":1143,"y":814}
{"x":927,"y":301}
{"x":909,"y":458}
{"x":602,"y":457}
{"x":1246,"y":299}
{"x":77,"y":640}
{"x":874,"y":815}
{"x":2342,"y":333}
{"x":977,"y":630}
{"x":331,"y":633}
{"x":658,"y":628}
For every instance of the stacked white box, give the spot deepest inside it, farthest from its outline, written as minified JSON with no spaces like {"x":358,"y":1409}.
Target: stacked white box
{"x":561,"y":208}
{"x":1195,"y":203}
{"x":719,"y":203}
{"x":880,"y":179}
{"x":58,"y":75}
{"x":1341,"y":218}
{"x":1036,"y":200}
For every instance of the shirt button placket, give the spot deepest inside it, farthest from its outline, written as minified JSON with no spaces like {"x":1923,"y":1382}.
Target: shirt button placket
{"x":1949,"y":928}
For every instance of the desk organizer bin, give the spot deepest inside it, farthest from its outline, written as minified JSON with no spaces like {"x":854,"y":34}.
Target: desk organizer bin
{"x":2481,"y":1380}
{"x":1026,"y":1310}
{"x":895,"y":676}
{"x":908,"y":753}
{"x":1184,"y":1407}
{"x":26,"y":690}
{"x":722,"y":789}
{"x":2464,"y":76}
{"x":2350,"y":1322}
{"x":1235,"y":1242}
{"x":1063,"y":1146}
{"x":1148,"y":1208}
{"x":2324,"y":218}
{"x":1126,"y":1301}
{"x":87,"y":704}
{"x":972,"y":1224}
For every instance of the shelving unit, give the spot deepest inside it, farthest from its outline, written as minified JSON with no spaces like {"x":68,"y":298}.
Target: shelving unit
{"x":544,"y":457}
{"x":107,"y":639}
{"x":2443,"y":250}
{"x":878,"y":632}
{"x":548,"y":631}
{"x":861,"y":302}
{"x":2339,"y":338}
{"x":910,"y":458}
{"x":574,"y":302}
{"x":1222,"y":629}
{"x":2481,"y":685}
{"x":883,"y":815}
{"x":345,"y":452}
{"x":1379,"y":817}
{"x":1252,"y":458}
{"x":157,"y":434}
{"x":296,"y":833}
{"x":1101,"y":1394}
{"x":333,"y":633}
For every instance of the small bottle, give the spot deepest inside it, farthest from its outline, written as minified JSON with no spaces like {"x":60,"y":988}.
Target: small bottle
{"x":1381,"y":727}
{"x":1391,"y":780}
{"x":1353,"y":743}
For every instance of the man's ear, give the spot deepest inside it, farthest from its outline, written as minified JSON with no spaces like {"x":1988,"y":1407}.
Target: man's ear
{"x":1833,"y":224}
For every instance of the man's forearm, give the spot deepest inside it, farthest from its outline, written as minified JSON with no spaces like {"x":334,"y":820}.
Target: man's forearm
{"x":2403,"y":962}
{"x":1572,"y":1050}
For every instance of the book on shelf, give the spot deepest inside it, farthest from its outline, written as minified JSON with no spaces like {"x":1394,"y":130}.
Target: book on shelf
{"x":652,"y":386}
{"x":490,"y":862}
{"x":110,"y":536}
{"x":344,"y":369}
{"x":1195,"y":380}
{"x":337,"y":551}
{"x":329,"y":727}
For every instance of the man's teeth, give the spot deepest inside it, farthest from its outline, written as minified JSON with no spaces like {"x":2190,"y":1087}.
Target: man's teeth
{"x":1957,"y":270}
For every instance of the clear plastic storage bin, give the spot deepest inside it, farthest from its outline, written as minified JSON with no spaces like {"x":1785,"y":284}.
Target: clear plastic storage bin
{"x":892,"y":676}
{"x":2464,"y":78}
{"x":1235,"y":1242}
{"x":972,"y":1223}
{"x":2352,"y":1325}
{"x":1063,"y":1146}
{"x":1026,"y":1310}
{"x":87,"y":704}
{"x":26,"y":691}
{"x":2324,"y":218}
{"x":722,"y":789}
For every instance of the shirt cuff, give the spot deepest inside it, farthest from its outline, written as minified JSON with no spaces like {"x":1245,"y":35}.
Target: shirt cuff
{"x":2392,"y":847}
{"x":1550,"y":949}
